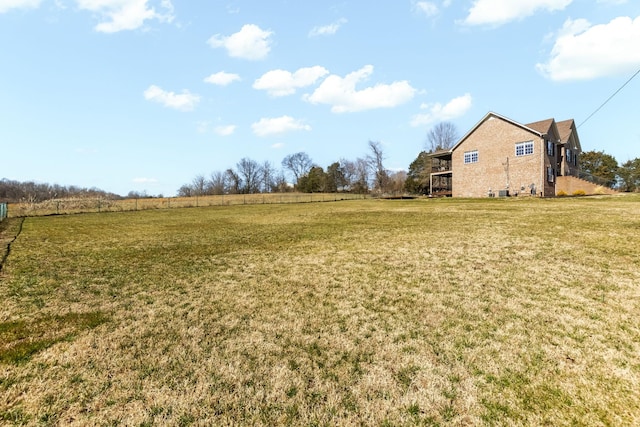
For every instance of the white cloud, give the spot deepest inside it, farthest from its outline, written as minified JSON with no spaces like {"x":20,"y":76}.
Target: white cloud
{"x":278,"y":125}
{"x":251,"y":42}
{"x":327,"y":30}
{"x":583,"y":52}
{"x":126,"y":14}
{"x":438,"y":112}
{"x":6,"y":5}
{"x":341,"y":93}
{"x":225,"y":130}
{"x":184,"y":101}
{"x":282,"y":83}
{"x":222,"y":78}
{"x":498,"y":12}
{"x":277,"y":145}
{"x":428,"y":8}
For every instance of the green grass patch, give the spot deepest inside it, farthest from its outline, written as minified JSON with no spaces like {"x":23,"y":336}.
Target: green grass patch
{"x":19,"y":340}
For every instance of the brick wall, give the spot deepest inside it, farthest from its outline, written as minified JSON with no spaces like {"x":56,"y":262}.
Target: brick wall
{"x":495,"y":140}
{"x":571,"y":184}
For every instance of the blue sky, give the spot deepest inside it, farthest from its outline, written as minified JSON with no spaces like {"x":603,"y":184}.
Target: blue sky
{"x":143,"y":95}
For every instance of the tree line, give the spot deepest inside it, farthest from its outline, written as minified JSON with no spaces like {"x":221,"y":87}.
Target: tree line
{"x":298,"y":172}
{"x":32,"y":192}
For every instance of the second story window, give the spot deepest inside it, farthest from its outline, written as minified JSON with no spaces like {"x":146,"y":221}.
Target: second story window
{"x":524,"y":148}
{"x":551,"y":148}
{"x":471,"y":156}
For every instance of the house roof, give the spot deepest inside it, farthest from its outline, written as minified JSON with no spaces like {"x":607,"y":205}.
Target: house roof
{"x":562,"y":130}
{"x":543,"y":126}
{"x":565,"y":128}
{"x":547,"y":127}
{"x":439,"y":153}
{"x":491,"y":115}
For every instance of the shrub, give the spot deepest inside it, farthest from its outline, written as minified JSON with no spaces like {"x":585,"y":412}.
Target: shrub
{"x":561,"y":193}
{"x":579,"y":193}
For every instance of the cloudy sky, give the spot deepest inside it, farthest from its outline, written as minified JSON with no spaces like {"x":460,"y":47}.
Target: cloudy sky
{"x":145,"y":94}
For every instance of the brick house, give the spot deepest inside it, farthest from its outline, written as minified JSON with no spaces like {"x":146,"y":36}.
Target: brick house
{"x":501,"y":157}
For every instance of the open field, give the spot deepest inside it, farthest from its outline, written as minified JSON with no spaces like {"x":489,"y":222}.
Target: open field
{"x":370,"y":312}
{"x":85,"y":205}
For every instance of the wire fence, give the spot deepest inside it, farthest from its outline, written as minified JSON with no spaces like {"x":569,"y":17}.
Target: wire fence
{"x":3,"y":211}
{"x":72,"y":206}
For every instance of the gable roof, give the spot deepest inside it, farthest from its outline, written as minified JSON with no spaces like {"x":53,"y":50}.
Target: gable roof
{"x":491,"y":115}
{"x":547,"y":127}
{"x":543,"y":126}
{"x":567,"y":129}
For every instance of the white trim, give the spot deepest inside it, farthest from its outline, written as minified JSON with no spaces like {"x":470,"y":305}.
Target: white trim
{"x":525,"y":148}
{"x":470,"y":157}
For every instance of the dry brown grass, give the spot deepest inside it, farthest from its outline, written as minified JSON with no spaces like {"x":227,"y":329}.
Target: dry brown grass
{"x":427,"y":312}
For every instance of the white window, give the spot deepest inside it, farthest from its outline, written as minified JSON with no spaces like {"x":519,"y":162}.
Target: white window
{"x":524,"y":148}
{"x":471,"y":156}
{"x":569,"y":155}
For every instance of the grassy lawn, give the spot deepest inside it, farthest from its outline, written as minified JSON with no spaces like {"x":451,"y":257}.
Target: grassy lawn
{"x":421,"y":312}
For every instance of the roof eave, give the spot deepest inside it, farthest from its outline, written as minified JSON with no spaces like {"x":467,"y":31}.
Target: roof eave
{"x":498,"y":116}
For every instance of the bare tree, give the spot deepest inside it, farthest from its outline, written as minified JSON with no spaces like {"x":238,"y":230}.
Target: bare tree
{"x":396,"y":182}
{"x":234,"y":182}
{"x":249,"y":171}
{"x":281,"y":184}
{"x":217,"y":183}
{"x":198,"y":185}
{"x":184,"y":191}
{"x":356,"y":174}
{"x":268,"y":178}
{"x":349,"y":172}
{"x":299,"y":164}
{"x":381,"y":175}
{"x":441,"y":137}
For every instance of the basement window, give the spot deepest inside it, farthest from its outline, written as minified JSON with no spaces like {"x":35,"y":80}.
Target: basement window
{"x":471,"y":156}
{"x":524,"y":148}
